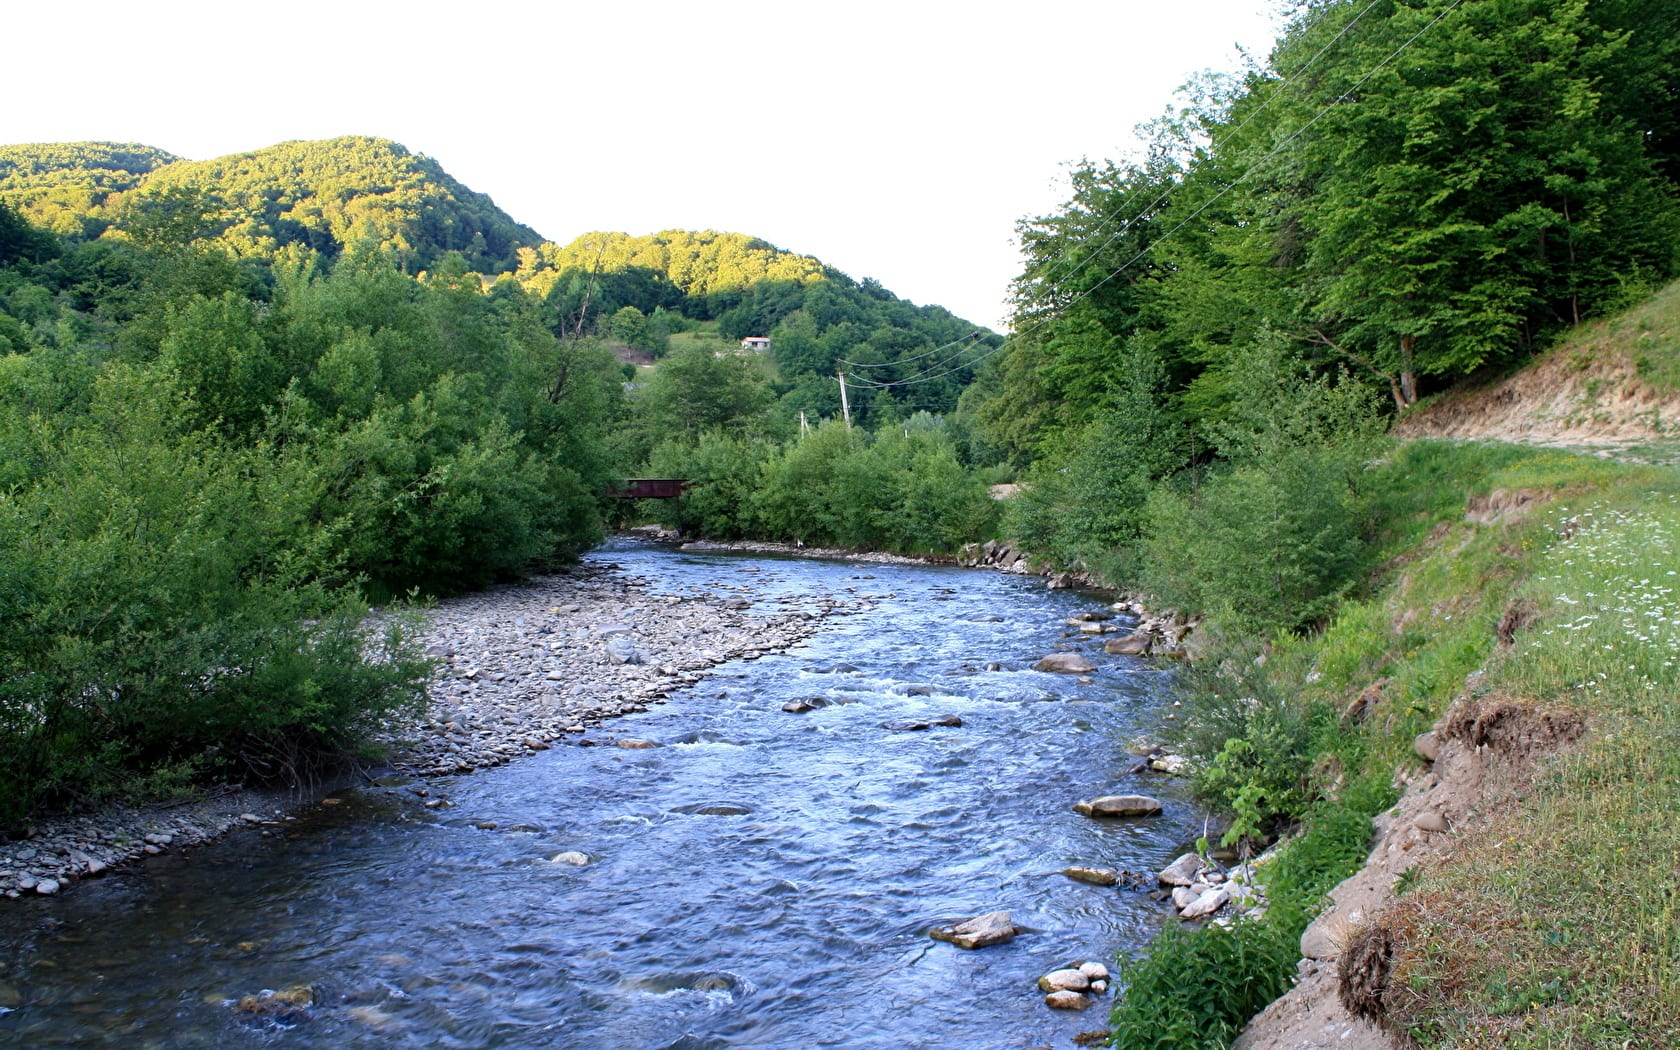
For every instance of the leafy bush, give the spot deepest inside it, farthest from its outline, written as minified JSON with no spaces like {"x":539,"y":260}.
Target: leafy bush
{"x":1272,"y":537}
{"x":1195,"y":989}
{"x":155,"y":622}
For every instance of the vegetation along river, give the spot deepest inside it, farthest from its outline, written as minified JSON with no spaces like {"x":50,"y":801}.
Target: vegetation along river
{"x":759,"y":879}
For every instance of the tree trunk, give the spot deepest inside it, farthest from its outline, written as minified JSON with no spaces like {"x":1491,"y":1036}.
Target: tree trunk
{"x":1408,"y":374}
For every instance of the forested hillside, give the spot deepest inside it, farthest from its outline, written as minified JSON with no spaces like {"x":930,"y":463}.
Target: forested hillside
{"x":1404,"y":196}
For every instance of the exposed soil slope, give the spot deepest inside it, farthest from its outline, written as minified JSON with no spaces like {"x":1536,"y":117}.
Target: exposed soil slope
{"x":1607,"y":387}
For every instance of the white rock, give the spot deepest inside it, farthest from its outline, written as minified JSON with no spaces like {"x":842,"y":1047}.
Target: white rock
{"x":1064,"y":981}
{"x":1096,"y":971}
{"x":1119,"y":806}
{"x":991,"y":928}
{"x":1181,"y":872}
{"x":1207,"y":903}
{"x":1067,"y":1001}
{"x":572,"y":857}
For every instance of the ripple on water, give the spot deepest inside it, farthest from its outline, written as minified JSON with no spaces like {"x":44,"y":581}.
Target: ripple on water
{"x":803,"y":916}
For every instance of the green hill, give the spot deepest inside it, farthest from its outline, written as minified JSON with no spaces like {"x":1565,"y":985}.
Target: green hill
{"x":327,"y":195}
{"x":64,"y":186}
{"x":353,"y":193}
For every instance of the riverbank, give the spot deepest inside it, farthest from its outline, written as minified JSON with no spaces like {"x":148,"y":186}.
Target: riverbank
{"x":519,"y":669}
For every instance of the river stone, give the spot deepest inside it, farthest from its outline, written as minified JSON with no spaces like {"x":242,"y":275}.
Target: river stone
{"x":572,"y":857}
{"x":1138,"y":643}
{"x":1095,"y":971}
{"x":1207,"y":903}
{"x":635,"y":745}
{"x":1181,"y":872}
{"x":714,"y":809}
{"x":1094,"y":876}
{"x":1119,"y":806}
{"x":1064,"y":981}
{"x":913,"y":725}
{"x":1166,"y":762}
{"x":979,"y":932}
{"x":1065,"y":663}
{"x":621,"y":650}
{"x":1067,"y":1001}
{"x":47,"y":887}
{"x":1183,"y":897}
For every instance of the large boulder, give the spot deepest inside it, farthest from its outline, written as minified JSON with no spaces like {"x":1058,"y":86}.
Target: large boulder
{"x":1065,"y":663}
{"x":1119,"y":806}
{"x":979,"y":932}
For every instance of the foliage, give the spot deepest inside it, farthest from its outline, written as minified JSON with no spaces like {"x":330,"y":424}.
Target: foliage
{"x":1272,"y":536}
{"x":156,"y":619}
{"x":1413,"y":191}
{"x":1084,"y":504}
{"x":1195,"y":988}
{"x":207,"y":466}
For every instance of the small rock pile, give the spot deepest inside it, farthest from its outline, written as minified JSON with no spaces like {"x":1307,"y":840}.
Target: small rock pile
{"x":1071,"y":987}
{"x":1198,"y":889}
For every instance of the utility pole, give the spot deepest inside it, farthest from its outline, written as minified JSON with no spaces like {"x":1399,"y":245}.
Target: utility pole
{"x":845,"y":406}
{"x":804,"y":426}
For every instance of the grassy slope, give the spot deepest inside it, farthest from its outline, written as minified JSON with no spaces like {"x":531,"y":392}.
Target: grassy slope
{"x":1555,"y":923}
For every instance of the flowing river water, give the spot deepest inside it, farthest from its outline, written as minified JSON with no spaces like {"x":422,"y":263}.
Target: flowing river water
{"x":760,"y":879}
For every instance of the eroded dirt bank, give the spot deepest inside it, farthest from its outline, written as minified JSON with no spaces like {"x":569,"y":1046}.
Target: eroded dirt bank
{"x":1480,"y":753}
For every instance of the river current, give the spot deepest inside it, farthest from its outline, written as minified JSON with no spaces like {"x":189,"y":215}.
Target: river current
{"x":759,"y":879}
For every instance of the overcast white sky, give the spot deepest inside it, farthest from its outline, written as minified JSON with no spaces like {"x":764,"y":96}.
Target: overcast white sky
{"x":894,"y":140}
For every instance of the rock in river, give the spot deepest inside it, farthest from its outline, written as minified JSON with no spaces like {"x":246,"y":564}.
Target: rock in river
{"x":913,"y":725}
{"x":1138,"y":643}
{"x":1065,"y":663}
{"x":980,"y":932}
{"x":1067,"y":1000}
{"x":1119,"y":806}
{"x":1181,"y":872}
{"x":1094,"y":876}
{"x":1064,"y":981}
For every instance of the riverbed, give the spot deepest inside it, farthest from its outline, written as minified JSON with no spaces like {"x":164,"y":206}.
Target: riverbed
{"x":750,"y":877}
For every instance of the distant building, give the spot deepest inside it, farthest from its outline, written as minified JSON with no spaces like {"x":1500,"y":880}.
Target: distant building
{"x":756,"y":343}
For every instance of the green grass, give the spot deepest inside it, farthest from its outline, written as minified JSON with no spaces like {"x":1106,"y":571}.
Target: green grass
{"x":704,"y":334}
{"x":1558,"y":926}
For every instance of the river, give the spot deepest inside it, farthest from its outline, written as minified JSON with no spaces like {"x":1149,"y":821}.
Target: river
{"x":759,"y":879}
